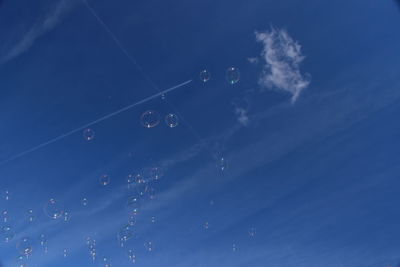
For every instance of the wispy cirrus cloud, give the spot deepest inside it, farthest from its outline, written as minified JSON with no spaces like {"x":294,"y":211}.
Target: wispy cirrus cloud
{"x":43,"y":26}
{"x":282,"y":58}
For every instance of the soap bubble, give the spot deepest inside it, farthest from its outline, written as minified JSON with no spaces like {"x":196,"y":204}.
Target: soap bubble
{"x":252,"y":232}
{"x":130,"y":180}
{"x":150,"y":119}
{"x":171,"y":120}
{"x":153,"y":219}
{"x":131,"y":256}
{"x":106,"y":262}
{"x":126,"y":233}
{"x":24,"y":246}
{"x":232,"y":75}
{"x":149,"y":246}
{"x":65,"y":252}
{"x":67,"y":217}
{"x":7,"y":233}
{"x":132,"y":220}
{"x":22,"y":261}
{"x":88,"y":134}
{"x":84,"y":201}
{"x":205,"y":76}
{"x":31,"y":216}
{"x":133,"y":204}
{"x":6,"y":195}
{"x":222,"y":164}
{"x":4,"y":216}
{"x":104,"y":179}
{"x":53,"y":209}
{"x":206,"y":225}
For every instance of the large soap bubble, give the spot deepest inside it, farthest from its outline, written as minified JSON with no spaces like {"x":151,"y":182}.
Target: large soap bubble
{"x":53,"y":209}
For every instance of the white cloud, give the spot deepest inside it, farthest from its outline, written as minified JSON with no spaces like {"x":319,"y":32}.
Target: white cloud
{"x":40,"y":28}
{"x":282,"y":56}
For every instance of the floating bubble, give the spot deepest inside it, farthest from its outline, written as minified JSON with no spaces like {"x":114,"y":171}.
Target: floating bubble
{"x":7,"y":233}
{"x":88,"y":134}
{"x":206,"y":225}
{"x":43,"y":240}
{"x":131,"y":255}
{"x":153,"y":219}
{"x":4,"y":216}
{"x":130,"y":180}
{"x":234,"y":248}
{"x":65,"y":252}
{"x":84,"y":201}
{"x":106,"y":262}
{"x":53,"y":209}
{"x":171,"y":120}
{"x":252,"y":232}
{"x":222,"y":164}
{"x":22,"y":261}
{"x":151,"y":192}
{"x":24,"y":246}
{"x":133,"y":204}
{"x":149,"y":246}
{"x":126,"y":233}
{"x":67,"y":217}
{"x":104,"y":179}
{"x":232,"y":75}
{"x":31,"y":216}
{"x":132,"y":220}
{"x":150,"y":119}
{"x":205,"y":76}
{"x":6,"y":195}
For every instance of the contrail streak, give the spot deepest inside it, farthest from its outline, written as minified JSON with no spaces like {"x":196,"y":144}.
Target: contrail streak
{"x":105,"y":117}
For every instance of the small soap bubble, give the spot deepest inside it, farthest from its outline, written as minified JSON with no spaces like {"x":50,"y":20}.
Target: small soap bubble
{"x":171,"y":120}
{"x":234,"y":248}
{"x":5,"y":216}
{"x":6,"y":195}
{"x":222,"y":164}
{"x":65,"y":252}
{"x":206,"y":225}
{"x":43,"y":240}
{"x":126,"y":233}
{"x":106,"y":262}
{"x":88,"y":134}
{"x":150,"y":119}
{"x":155,"y":173}
{"x":153,"y":219}
{"x":252,"y":232}
{"x":104,"y":179}
{"x":132,"y":220}
{"x":22,"y":261}
{"x":131,"y":255}
{"x":232,"y":75}
{"x":53,"y":209}
{"x":24,"y":246}
{"x":205,"y":76}
{"x":84,"y":202}
{"x":133,"y":204}
{"x":7,"y":233}
{"x":31,"y":216}
{"x":151,"y":192}
{"x":149,"y":246}
{"x":67,"y":217}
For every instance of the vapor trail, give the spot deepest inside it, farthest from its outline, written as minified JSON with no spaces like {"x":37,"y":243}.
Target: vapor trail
{"x":105,"y":117}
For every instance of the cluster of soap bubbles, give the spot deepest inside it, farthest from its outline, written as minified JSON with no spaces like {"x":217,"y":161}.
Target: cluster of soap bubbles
{"x":152,"y":118}
{"x":232,"y":75}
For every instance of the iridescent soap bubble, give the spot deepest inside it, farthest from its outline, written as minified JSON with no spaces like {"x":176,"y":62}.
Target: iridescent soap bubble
{"x":7,"y":233}
{"x":31,"y":216}
{"x":5,"y":216}
{"x":24,"y":246}
{"x":104,"y":179}
{"x":131,"y":255}
{"x":88,"y":134}
{"x":204,"y":76}
{"x":150,"y":119}
{"x":232,"y":75}
{"x":171,"y":120}
{"x":133,"y":204}
{"x":252,"y":232}
{"x":53,"y":209}
{"x":84,"y":201}
{"x":222,"y":164}
{"x":126,"y":232}
{"x":149,"y":246}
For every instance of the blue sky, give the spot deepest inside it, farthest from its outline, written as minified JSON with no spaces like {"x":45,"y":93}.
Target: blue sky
{"x":309,"y":134}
